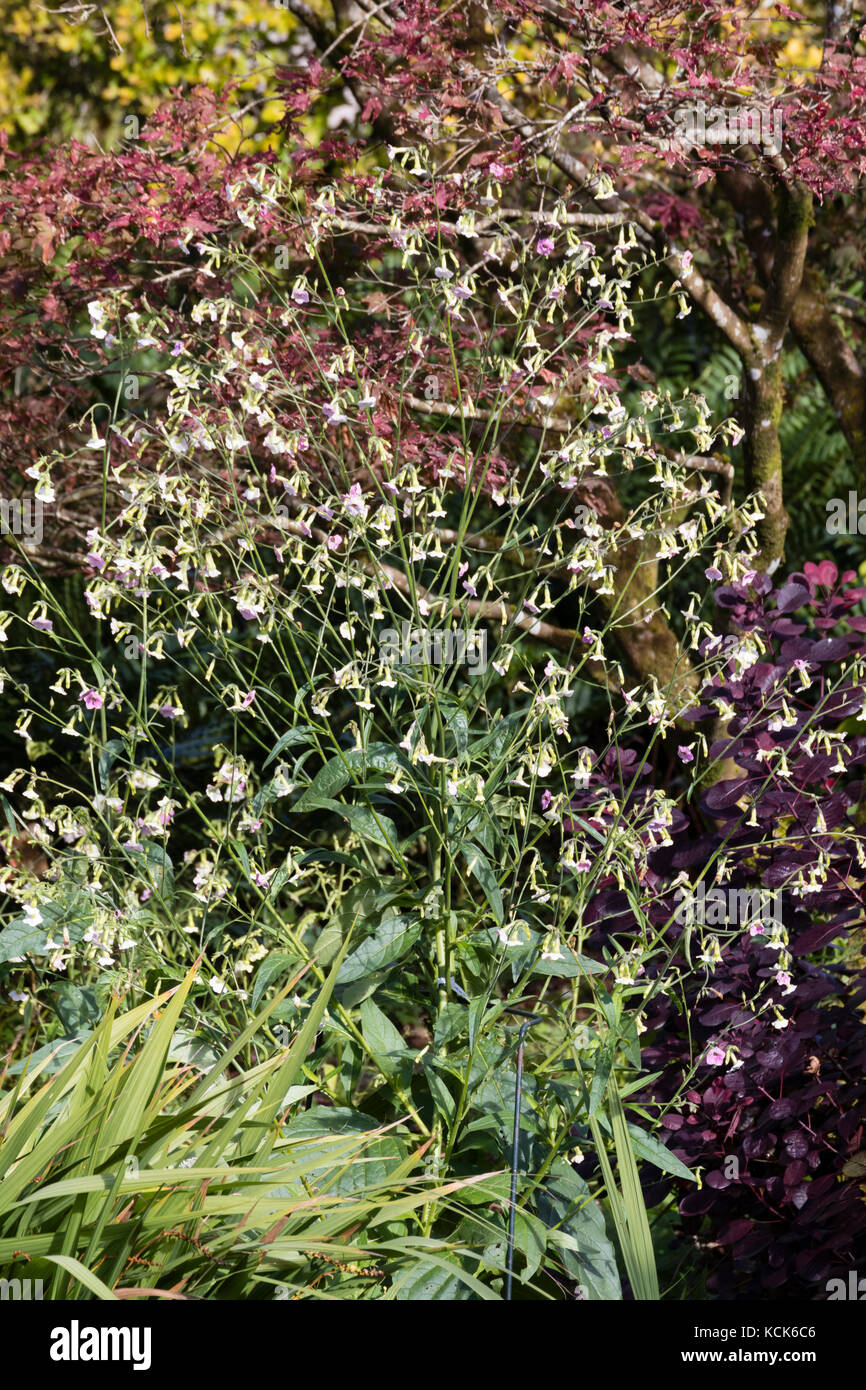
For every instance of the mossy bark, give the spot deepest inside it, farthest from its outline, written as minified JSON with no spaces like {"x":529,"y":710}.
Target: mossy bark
{"x":764,"y":397}
{"x":648,"y":643}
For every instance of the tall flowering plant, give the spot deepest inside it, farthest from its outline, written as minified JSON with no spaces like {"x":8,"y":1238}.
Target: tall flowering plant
{"x":356,"y":568}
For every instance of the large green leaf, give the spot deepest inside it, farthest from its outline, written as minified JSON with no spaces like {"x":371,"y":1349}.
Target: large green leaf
{"x":370,"y":825}
{"x":375,"y":1159}
{"x":578,"y":1233}
{"x":426,"y":1282}
{"x":478,"y":864}
{"x":383,"y":1040}
{"x":71,"y":911}
{"x":389,"y":943}
{"x":351,"y":766}
{"x":433,"y":1277}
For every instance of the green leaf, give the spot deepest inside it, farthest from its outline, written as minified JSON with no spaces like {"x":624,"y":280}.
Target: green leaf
{"x":478,"y":864}
{"x":381,"y":1037}
{"x":302,"y":733}
{"x":328,"y":941}
{"x":626,"y":1201}
{"x":496,"y":742}
{"x":588,"y":829}
{"x":327,"y":856}
{"x":648,"y":1147}
{"x":140,"y":1080}
{"x":364,"y":822}
{"x":158,"y":869}
{"x":427,"y":1282}
{"x":76,"y":1006}
{"x":192,"y":1049}
{"x":83,"y":1276}
{"x":570,"y":967}
{"x":376,"y":1159}
{"x":604,"y":1062}
{"x":273,"y":967}
{"x":20,"y":939}
{"x":530,"y":1238}
{"x":358,"y":990}
{"x":476,"y":1017}
{"x":451,"y":1022}
{"x":289,"y":1070}
{"x":458,"y":724}
{"x":339,"y":771}
{"x":389,"y":943}
{"x":64,"y":253}
{"x":442,"y":1097}
{"x":577,"y":1232}
{"x":71,"y":910}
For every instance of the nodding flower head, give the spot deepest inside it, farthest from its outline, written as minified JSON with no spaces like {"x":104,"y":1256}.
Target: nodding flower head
{"x":354,"y":502}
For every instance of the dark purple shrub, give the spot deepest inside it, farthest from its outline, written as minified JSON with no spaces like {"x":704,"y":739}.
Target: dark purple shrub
{"x":763,"y":1058}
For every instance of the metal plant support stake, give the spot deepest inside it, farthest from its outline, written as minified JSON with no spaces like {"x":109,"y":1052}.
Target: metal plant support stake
{"x":529,"y":1020}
